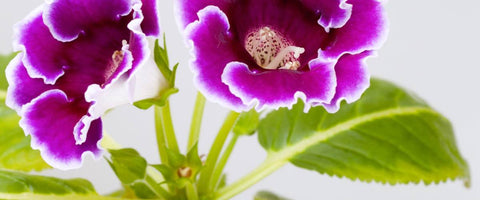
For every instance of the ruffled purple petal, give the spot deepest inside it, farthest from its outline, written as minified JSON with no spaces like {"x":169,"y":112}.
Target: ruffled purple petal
{"x":352,"y":79}
{"x":365,"y":30}
{"x":151,"y":22}
{"x":21,"y":88}
{"x":281,"y":88}
{"x":41,"y":50}
{"x":186,"y":10}
{"x":333,"y":14}
{"x":67,"y":19}
{"x":213,"y":49}
{"x":51,"y":119}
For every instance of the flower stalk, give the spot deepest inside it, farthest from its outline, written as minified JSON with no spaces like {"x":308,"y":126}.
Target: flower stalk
{"x":217,"y":174}
{"x":214,"y":153}
{"x":168,"y":128}
{"x":161,"y":138}
{"x":270,"y":165}
{"x":196,"y":121}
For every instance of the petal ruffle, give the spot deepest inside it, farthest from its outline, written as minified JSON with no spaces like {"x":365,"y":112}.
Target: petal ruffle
{"x":213,"y":49}
{"x":151,"y":21}
{"x":352,"y":79}
{"x":50,"y":119}
{"x":72,"y":66}
{"x":40,"y":48}
{"x":186,"y":10}
{"x":365,"y":30}
{"x":281,"y":88}
{"x":67,"y":19}
{"x":21,"y":88}
{"x":333,"y":14}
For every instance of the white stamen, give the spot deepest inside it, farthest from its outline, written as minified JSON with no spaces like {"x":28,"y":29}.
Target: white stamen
{"x":271,"y":50}
{"x":280,"y":56}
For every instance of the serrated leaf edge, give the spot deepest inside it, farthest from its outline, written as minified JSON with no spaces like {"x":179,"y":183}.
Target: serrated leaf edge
{"x":289,"y":152}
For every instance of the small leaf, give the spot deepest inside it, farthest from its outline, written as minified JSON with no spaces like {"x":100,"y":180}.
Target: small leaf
{"x":167,"y":172}
{"x":266,"y":195}
{"x":16,"y":185}
{"x":389,"y":136}
{"x":247,"y":123}
{"x":176,"y":160}
{"x":142,"y":190}
{"x":161,"y":59}
{"x":158,"y":101}
{"x":193,"y":159}
{"x":15,"y":150}
{"x":160,"y":55}
{"x":128,"y":165}
{"x":223,"y":182}
{"x":4,"y":60}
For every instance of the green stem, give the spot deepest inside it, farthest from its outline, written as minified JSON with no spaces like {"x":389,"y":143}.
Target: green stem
{"x":217,"y":173}
{"x":156,"y":188}
{"x":196,"y":121}
{"x":3,"y":95}
{"x":192,"y":193}
{"x":168,"y":128}
{"x":161,"y":143}
{"x":271,"y":164}
{"x":206,"y":174}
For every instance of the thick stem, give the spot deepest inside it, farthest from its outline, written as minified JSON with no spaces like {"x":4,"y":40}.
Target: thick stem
{"x":156,"y":188}
{"x":217,"y":173}
{"x":206,"y":174}
{"x":196,"y":121}
{"x":161,"y":143}
{"x":192,"y":193}
{"x":271,"y":164}
{"x":168,"y":128}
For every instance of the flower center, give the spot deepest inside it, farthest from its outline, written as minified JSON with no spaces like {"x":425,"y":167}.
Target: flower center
{"x":271,"y":50}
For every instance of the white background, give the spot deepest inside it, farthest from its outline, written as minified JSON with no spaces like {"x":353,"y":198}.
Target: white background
{"x":433,"y":49}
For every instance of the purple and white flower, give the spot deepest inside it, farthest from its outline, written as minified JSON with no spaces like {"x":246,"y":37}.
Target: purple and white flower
{"x":78,"y":59}
{"x":269,"y":53}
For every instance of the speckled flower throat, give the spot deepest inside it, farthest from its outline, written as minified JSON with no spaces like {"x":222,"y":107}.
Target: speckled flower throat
{"x":271,"y":50}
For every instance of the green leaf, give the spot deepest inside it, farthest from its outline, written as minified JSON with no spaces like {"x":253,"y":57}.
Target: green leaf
{"x":128,"y":165}
{"x":247,"y":123}
{"x":175,"y":159}
{"x":160,"y":56}
{"x":142,"y":190}
{"x":4,"y":60}
{"x":15,"y":150}
{"x":16,"y":185}
{"x":131,"y":169}
{"x":266,"y":195}
{"x":168,"y":173}
{"x":193,"y":159}
{"x":159,"y":100}
{"x":389,"y":136}
{"x":223,"y":182}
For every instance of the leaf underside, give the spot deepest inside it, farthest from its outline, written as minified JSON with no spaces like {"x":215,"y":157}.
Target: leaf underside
{"x":16,"y":184}
{"x":389,"y":136}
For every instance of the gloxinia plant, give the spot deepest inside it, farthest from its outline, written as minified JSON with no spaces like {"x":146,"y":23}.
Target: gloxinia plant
{"x":284,"y":68}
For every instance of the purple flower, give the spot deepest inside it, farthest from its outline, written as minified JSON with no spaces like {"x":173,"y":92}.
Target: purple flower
{"x":77,"y":60}
{"x":269,"y":53}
